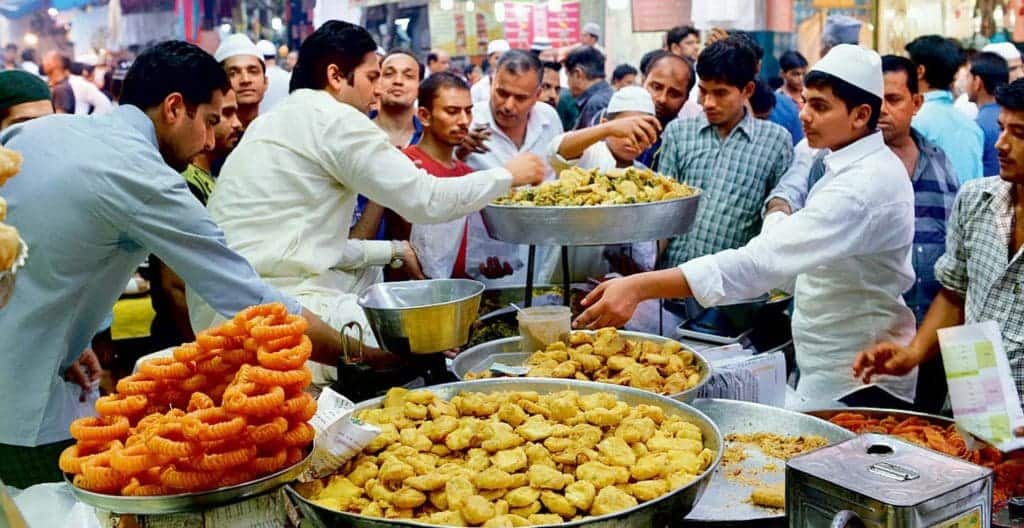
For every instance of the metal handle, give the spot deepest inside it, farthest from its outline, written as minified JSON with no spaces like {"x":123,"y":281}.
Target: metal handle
{"x":344,"y":342}
{"x":846,"y":519}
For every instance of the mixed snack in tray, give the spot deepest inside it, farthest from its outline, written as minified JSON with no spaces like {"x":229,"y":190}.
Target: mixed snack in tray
{"x":512,"y":458}
{"x":10,"y":244}
{"x":1009,"y":474}
{"x":589,"y":187}
{"x":774,"y":446}
{"x":609,"y":357}
{"x":227,"y":409}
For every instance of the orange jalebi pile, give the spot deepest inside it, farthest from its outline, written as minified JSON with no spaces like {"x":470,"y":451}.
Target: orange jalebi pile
{"x":226,"y":409}
{"x":1009,"y":474}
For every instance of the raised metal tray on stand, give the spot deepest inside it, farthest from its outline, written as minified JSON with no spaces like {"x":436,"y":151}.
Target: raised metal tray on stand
{"x":586,"y":226}
{"x":188,"y":502}
{"x":508,"y":352}
{"x":726,"y":501}
{"x":662,"y":511}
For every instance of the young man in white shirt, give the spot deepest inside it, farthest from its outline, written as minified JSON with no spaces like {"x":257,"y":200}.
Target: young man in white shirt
{"x":286,"y":194}
{"x":848,"y":249}
{"x":277,"y":79}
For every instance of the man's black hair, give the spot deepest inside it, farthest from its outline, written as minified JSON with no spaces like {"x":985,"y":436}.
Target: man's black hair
{"x":340,"y":43}
{"x":678,"y":34}
{"x":792,"y":60}
{"x":170,"y":67}
{"x":763,"y":99}
{"x":518,"y":62}
{"x":432,"y":57}
{"x":851,"y":96}
{"x":731,"y":61}
{"x":748,"y":40}
{"x":437,"y":82}
{"x":940,"y":58}
{"x":552,"y":65}
{"x":1011,"y":96}
{"x":992,"y":69}
{"x":648,"y":58}
{"x":622,"y":71}
{"x":28,"y":55}
{"x":408,"y":53}
{"x":896,"y":64}
{"x":659,"y":55}
{"x":775,"y":82}
{"x":469,"y":69}
{"x":588,"y":59}
{"x":11,"y":46}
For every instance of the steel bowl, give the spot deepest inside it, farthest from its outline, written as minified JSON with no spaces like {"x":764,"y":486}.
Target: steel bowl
{"x":663,"y":511}
{"x":188,"y":502}
{"x":507,"y":352}
{"x":422,"y":317}
{"x":591,"y":225}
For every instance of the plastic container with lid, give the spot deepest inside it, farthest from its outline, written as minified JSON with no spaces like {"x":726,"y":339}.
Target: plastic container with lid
{"x":540,"y":326}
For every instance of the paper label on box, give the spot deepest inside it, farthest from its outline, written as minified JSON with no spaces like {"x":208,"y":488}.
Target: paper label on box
{"x":981,"y":388}
{"x":970,"y":519}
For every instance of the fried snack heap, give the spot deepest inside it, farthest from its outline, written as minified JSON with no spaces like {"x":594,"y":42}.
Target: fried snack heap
{"x":608,"y":357}
{"x":226,"y":409}
{"x":512,"y":459}
{"x":10,"y":243}
{"x":1009,"y":476}
{"x":583,"y":187}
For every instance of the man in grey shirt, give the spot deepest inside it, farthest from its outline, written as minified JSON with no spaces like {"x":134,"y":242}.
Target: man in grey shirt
{"x":94,"y":197}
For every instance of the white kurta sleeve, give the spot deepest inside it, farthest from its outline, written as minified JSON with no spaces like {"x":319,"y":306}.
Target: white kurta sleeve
{"x":360,"y":156}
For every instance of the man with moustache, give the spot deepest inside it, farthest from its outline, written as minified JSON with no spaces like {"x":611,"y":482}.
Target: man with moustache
{"x":669,"y":79}
{"x":400,"y":80}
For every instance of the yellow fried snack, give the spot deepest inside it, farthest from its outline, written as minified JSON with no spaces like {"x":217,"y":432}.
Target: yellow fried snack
{"x":10,"y":164}
{"x":586,"y":187}
{"x":773,"y":496}
{"x":10,"y":246}
{"x":609,"y":357}
{"x":510,"y":459}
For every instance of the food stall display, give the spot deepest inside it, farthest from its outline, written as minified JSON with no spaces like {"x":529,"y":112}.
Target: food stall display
{"x":533,"y":451}
{"x":225,"y":411}
{"x":640,"y":361}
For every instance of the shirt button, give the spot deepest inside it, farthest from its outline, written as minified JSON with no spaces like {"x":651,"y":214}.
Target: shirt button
{"x":920,"y":249}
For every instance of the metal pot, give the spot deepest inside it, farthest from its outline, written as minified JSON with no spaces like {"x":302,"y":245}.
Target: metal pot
{"x":422,"y":317}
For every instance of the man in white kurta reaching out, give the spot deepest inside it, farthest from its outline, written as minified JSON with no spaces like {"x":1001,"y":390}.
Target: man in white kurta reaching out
{"x":285,"y":197}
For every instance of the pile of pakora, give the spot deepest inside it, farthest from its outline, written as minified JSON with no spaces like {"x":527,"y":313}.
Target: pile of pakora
{"x":10,"y":244}
{"x":609,"y":357}
{"x":512,"y":459}
{"x":588,"y":187}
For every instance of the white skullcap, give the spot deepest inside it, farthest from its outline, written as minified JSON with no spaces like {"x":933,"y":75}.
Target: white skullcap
{"x":1005,"y":50}
{"x":267,"y":48}
{"x":498,"y":46}
{"x":235,"y":45}
{"x":631,"y":99}
{"x":541,"y":44}
{"x":591,"y":28}
{"x":858,"y":66}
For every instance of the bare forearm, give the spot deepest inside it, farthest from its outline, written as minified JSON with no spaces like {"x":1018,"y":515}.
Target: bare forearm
{"x":662,"y":284}
{"x":327,"y":343}
{"x":947,"y":310}
{"x":368,"y":224}
{"x":574,"y":143}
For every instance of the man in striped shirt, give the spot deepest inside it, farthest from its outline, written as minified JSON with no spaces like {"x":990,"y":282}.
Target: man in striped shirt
{"x":935,"y":184}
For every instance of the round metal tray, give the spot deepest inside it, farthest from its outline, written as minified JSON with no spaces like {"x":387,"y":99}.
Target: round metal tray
{"x":188,"y":502}
{"x":591,"y":225}
{"x":726,"y":501}
{"x":873,"y":412}
{"x":507,"y":351}
{"x":663,"y":511}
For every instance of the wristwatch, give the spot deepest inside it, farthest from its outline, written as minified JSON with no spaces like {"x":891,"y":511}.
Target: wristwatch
{"x":397,"y":254}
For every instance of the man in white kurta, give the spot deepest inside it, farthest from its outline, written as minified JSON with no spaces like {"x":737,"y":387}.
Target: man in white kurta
{"x":849,"y":248}
{"x":285,"y":196}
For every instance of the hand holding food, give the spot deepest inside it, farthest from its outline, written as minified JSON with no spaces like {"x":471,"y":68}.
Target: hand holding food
{"x":526,"y":169}
{"x":641,"y":130}
{"x":885,"y":358}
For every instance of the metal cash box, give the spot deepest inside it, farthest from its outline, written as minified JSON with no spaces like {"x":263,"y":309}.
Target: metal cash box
{"x":879,"y":481}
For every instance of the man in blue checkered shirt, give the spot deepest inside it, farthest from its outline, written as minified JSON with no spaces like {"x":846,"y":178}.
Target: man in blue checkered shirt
{"x":732,"y":157}
{"x":982,"y":270}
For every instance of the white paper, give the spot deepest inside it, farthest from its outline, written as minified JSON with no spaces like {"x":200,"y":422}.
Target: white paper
{"x":340,"y":436}
{"x":981,"y":388}
{"x":759,"y":379}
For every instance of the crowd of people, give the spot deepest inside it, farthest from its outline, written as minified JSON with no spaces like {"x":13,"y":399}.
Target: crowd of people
{"x":881,"y":190}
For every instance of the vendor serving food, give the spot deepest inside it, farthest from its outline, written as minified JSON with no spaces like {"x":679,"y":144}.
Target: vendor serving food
{"x":848,"y":248}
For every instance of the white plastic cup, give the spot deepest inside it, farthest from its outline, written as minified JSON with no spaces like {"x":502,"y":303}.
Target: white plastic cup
{"x":540,"y":326}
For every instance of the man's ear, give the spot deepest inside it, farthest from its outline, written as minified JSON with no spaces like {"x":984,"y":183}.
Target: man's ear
{"x":173,"y":108}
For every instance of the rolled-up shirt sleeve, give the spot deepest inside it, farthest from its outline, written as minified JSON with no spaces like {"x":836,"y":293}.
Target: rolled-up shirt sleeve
{"x":358,"y":254}
{"x":362,"y":158}
{"x":174,"y":226}
{"x":951,"y":268}
{"x":557,"y":161}
{"x":837,"y":225}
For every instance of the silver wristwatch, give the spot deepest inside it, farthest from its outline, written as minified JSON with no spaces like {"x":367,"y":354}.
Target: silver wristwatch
{"x":397,"y":254}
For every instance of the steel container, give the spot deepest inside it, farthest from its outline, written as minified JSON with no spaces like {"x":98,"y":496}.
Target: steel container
{"x":422,"y":317}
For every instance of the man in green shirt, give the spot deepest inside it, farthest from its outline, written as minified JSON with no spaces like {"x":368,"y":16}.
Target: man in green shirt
{"x":201,"y":173}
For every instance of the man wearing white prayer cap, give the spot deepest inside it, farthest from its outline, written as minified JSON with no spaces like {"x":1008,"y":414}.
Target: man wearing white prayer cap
{"x":839,"y":29}
{"x":277,"y":79}
{"x":848,"y":249}
{"x":1008,"y":51}
{"x":481,"y":91}
{"x":247,"y":71}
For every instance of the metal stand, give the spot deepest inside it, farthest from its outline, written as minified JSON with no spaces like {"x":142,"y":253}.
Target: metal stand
{"x":531,"y":262}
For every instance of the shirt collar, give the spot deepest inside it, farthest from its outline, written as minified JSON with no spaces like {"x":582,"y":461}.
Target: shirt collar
{"x":599,"y":86}
{"x":137,"y":119}
{"x":534,"y":121}
{"x":854,"y":152}
{"x":926,"y":156}
{"x":745,"y":126}
{"x":939,"y":96}
{"x":1001,"y":199}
